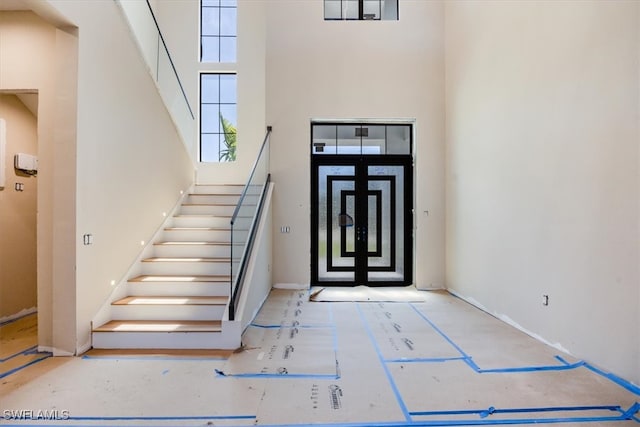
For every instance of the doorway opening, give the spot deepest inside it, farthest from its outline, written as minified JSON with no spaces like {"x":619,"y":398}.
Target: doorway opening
{"x":18,"y":224}
{"x":361,"y":204}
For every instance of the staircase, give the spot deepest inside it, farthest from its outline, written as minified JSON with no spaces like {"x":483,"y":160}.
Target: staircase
{"x":179,"y":299}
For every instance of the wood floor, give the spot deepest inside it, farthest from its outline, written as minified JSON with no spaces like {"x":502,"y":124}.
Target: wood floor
{"x":435,"y":362}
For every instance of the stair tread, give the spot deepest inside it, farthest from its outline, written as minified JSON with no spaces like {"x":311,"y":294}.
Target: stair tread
{"x":222,"y":278}
{"x":177,"y":300}
{"x":173,"y":242}
{"x":209,"y":204}
{"x":198,"y":228}
{"x":186,"y":259}
{"x":201,"y":216}
{"x":216,"y":194}
{"x":160,"y":326}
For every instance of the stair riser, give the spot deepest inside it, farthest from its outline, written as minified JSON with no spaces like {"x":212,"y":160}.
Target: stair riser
{"x":201,"y":221}
{"x":213,"y":199}
{"x":189,"y":251}
{"x":196,"y":235}
{"x":185,"y":268}
{"x":163,"y":340}
{"x":218,"y":189}
{"x":207,"y":210}
{"x":164,"y":312}
{"x":186,"y":289}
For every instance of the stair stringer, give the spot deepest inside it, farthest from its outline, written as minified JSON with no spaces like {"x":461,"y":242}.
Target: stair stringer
{"x":121,"y":288}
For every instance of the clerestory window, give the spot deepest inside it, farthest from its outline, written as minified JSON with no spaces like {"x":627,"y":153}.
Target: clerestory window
{"x":218,"y":30}
{"x":375,"y":10}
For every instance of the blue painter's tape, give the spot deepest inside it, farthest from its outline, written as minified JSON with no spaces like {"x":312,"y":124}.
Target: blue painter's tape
{"x":481,"y":422}
{"x":562,"y":360}
{"x":394,"y":387}
{"x":616,"y":379}
{"x":632,"y":410}
{"x":487,"y":412}
{"x":532,"y":368}
{"x":492,"y":410}
{"x":19,"y":368}
{"x":469,"y":361}
{"x":21,"y":353}
{"x":442,"y":334}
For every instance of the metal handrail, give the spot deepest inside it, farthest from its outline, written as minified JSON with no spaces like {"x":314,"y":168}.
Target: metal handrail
{"x":236,"y":285}
{"x":170,"y":60}
{"x":253,"y":171}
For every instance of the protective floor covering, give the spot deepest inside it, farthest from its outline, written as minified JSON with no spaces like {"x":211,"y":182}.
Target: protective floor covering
{"x":436,"y":362}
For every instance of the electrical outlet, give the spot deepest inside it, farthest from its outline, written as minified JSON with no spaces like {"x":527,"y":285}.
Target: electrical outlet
{"x":285,"y":229}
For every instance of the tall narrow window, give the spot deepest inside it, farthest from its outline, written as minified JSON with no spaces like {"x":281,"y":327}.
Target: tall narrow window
{"x":218,"y":117}
{"x":375,"y":10}
{"x":218,"y":30}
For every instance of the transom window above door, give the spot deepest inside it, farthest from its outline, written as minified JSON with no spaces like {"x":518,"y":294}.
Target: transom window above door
{"x":361,"y":10}
{"x":360,"y":138}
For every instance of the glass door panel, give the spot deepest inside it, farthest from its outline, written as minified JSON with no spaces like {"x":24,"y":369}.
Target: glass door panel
{"x":387,"y":263}
{"x":336,"y":235}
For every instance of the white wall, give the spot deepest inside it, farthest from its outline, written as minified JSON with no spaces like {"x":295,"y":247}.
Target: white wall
{"x":131,"y":164}
{"x":18,"y":279}
{"x":179,"y":21}
{"x":543,"y":170}
{"x":346,"y":70}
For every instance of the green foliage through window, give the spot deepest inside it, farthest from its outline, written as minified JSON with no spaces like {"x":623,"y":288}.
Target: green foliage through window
{"x":228,"y":153}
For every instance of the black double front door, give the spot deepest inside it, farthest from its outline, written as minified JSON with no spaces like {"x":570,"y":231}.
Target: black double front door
{"x":361,"y":230}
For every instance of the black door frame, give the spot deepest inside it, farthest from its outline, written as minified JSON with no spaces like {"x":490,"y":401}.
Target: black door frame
{"x":361,"y":163}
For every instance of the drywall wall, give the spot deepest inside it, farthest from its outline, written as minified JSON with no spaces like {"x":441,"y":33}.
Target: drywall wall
{"x":320,"y":69}
{"x":37,"y":56}
{"x":131,"y":164}
{"x":543,"y":170}
{"x":180,"y":23}
{"x":18,"y":278}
